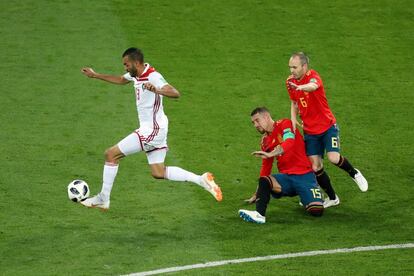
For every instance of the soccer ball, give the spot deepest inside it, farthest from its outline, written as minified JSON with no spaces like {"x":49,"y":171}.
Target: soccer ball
{"x":78,"y":190}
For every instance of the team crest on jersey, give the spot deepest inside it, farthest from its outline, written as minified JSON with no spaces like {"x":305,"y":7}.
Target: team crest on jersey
{"x":313,"y":80}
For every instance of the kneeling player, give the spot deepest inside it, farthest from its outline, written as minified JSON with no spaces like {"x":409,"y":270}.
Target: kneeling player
{"x":295,"y":175}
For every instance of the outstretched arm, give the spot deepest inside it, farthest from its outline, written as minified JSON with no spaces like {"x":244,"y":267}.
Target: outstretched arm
{"x":309,"y":87}
{"x":278,"y":150}
{"x":89,"y":72}
{"x":167,"y":90}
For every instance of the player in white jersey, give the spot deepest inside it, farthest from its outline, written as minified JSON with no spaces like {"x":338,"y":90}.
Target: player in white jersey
{"x":151,"y":136}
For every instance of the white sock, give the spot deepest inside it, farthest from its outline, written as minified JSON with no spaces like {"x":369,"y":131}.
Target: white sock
{"x":178,"y":174}
{"x":109,"y":173}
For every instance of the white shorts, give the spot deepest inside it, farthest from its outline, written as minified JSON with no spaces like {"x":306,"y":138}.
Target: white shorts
{"x":152,"y":141}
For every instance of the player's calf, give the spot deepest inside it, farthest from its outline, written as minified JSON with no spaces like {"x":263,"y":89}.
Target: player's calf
{"x":263,"y":194}
{"x":158,"y":171}
{"x":325,"y":183}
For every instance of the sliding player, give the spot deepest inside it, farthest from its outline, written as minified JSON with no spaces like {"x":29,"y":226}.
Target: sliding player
{"x":295,"y":175}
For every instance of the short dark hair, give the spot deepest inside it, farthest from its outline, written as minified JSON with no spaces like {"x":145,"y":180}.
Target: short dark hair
{"x":134,"y":54}
{"x":304,"y":59}
{"x":260,"y":109}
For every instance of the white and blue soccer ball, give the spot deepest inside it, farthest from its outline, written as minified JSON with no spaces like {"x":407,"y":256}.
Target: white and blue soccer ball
{"x":78,"y":190}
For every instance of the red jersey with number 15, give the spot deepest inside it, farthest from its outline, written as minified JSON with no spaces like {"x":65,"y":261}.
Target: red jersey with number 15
{"x":294,"y":159}
{"x":313,"y":106}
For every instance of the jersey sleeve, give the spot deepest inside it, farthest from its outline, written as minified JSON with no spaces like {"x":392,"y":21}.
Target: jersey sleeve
{"x":128,"y":77}
{"x":157,"y":80}
{"x":267,"y":165}
{"x":315,"y":78}
{"x":288,"y":135}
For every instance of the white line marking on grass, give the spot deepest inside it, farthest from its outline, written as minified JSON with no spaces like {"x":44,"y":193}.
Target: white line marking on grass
{"x":274,"y":257}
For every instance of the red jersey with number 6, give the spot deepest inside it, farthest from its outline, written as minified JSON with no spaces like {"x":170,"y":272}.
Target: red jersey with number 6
{"x":313,"y":106}
{"x":294,"y":159}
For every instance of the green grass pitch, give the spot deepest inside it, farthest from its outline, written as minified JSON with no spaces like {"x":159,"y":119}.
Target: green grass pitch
{"x":225,"y":57}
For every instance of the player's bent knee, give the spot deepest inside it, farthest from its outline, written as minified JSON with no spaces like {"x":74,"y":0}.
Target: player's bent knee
{"x":158,"y":171}
{"x":315,"y":210}
{"x":113,"y":154}
{"x":108,"y":154}
{"x":333,"y":157}
{"x":317,"y":167}
{"x":157,"y":175}
{"x":269,"y":183}
{"x":265,"y":182}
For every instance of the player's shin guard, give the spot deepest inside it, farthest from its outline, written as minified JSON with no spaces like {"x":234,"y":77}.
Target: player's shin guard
{"x":325,"y":183}
{"x":315,"y":210}
{"x":346,"y":166}
{"x":263,"y":194}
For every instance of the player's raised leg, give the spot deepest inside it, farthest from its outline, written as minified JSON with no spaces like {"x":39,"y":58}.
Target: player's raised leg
{"x":343,"y":163}
{"x":205,"y":180}
{"x":332,"y":145}
{"x":160,"y":171}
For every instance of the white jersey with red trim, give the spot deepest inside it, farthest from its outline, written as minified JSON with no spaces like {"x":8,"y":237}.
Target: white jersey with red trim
{"x":150,"y":109}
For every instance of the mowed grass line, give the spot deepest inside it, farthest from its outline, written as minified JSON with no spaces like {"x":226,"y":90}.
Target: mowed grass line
{"x":225,"y":62}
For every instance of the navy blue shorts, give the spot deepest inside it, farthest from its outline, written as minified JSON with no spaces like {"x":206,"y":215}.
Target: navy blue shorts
{"x":304,"y":185}
{"x":317,"y":144}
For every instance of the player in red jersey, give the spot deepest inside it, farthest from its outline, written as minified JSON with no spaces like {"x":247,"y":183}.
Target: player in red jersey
{"x":321,"y":132}
{"x":295,"y":175}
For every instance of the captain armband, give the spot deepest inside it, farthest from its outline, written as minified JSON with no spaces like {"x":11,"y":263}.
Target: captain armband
{"x":287,"y":133}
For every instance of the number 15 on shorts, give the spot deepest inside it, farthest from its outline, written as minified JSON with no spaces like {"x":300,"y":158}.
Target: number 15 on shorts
{"x":316,"y":193}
